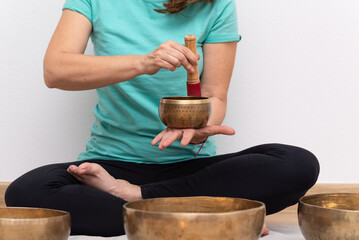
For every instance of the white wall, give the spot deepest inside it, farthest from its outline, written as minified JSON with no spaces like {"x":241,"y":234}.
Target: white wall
{"x":295,"y":81}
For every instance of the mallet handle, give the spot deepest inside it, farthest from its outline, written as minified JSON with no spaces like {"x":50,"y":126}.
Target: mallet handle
{"x":191,"y":43}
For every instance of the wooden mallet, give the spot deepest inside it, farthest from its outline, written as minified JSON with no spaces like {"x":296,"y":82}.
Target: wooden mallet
{"x":193,"y":82}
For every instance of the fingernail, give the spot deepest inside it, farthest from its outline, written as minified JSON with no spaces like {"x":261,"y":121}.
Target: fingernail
{"x":192,"y":70}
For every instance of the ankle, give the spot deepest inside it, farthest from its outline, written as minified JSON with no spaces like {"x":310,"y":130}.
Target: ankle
{"x":127,"y":191}
{"x":136,"y":194}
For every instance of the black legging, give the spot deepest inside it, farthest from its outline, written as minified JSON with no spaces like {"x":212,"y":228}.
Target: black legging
{"x":275,"y":174}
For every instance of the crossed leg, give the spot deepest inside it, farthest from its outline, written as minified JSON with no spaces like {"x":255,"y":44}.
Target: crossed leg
{"x":93,"y":175}
{"x":275,"y":174}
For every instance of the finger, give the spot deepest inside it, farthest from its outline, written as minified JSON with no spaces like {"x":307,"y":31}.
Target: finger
{"x":213,"y":130}
{"x":188,"y":53}
{"x":169,"y":138}
{"x":226,"y":130}
{"x":187,"y":136}
{"x":171,"y":57}
{"x":163,"y":63}
{"x":158,"y":137}
{"x":181,"y":59}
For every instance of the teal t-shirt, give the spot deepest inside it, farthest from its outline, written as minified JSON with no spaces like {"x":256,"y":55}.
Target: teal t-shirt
{"x":126,"y":115}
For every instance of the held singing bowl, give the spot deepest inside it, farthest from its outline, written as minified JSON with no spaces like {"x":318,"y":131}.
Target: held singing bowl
{"x":34,"y":224}
{"x":194,"y":218}
{"x":329,"y":216}
{"x":185,"y":112}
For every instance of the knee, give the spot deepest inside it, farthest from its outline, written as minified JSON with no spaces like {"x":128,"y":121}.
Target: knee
{"x":305,"y":167}
{"x":14,"y":195}
{"x":27,"y":190}
{"x":299,"y":167}
{"x":300,"y":171}
{"x":24,"y":190}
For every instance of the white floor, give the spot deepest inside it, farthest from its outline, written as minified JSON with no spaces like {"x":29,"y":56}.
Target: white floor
{"x":276,"y":233}
{"x":284,"y":233}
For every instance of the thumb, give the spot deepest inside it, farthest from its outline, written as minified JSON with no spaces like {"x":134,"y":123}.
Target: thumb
{"x":213,"y":130}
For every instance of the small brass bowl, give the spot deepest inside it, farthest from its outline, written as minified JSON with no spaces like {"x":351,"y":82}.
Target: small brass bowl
{"x":329,"y":216}
{"x":194,"y":218}
{"x":34,"y":224}
{"x":185,"y":112}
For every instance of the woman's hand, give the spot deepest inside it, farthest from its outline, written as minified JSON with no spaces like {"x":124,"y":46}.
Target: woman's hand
{"x":194,"y":136}
{"x":169,"y":55}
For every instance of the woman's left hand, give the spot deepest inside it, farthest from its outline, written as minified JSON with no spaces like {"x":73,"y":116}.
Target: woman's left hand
{"x":193,"y":136}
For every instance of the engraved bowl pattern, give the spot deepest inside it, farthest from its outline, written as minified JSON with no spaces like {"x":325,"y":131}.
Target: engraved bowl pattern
{"x":185,"y":112}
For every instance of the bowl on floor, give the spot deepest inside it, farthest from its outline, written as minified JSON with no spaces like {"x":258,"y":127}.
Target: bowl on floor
{"x":194,"y":218}
{"x":34,"y":224}
{"x":329,"y":216}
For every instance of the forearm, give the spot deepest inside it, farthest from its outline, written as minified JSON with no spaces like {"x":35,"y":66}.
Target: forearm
{"x":218,"y":66}
{"x":219,"y":108}
{"x":72,"y":71}
{"x":66,"y":67}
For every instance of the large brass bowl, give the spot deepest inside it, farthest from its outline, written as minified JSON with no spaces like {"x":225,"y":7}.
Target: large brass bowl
{"x":34,"y":224}
{"x":194,"y":218}
{"x":329,"y":216}
{"x":185,"y":112}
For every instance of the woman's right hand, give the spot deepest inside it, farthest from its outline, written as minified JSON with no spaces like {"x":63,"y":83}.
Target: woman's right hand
{"x":169,"y":55}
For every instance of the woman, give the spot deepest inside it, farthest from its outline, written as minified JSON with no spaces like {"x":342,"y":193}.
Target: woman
{"x":140,"y":58}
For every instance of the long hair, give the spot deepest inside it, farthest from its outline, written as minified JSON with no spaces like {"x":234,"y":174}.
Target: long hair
{"x":175,"y":6}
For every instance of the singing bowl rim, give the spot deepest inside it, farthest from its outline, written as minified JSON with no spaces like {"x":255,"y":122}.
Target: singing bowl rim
{"x":62,"y":214}
{"x":128,"y":207}
{"x":322,"y":195}
{"x":185,"y":100}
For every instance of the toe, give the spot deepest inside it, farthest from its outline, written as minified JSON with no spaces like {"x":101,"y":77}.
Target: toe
{"x":89,"y":168}
{"x":265,"y":231}
{"x":72,"y":169}
{"x":85,"y":168}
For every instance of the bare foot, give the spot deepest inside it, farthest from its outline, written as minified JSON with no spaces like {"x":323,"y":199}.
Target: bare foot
{"x":92,"y":174}
{"x":265,"y":231}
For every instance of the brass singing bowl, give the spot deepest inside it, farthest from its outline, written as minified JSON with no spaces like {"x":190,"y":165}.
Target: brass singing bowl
{"x":329,"y":216}
{"x":34,"y":224}
{"x":194,"y":218}
{"x":185,"y":112}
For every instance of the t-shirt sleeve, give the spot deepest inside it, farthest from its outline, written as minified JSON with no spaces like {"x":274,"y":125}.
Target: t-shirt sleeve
{"x":225,"y":25}
{"x":81,"y":6}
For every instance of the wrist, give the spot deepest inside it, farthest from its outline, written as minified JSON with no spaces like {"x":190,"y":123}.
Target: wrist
{"x":140,"y":65}
{"x":200,"y":141}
